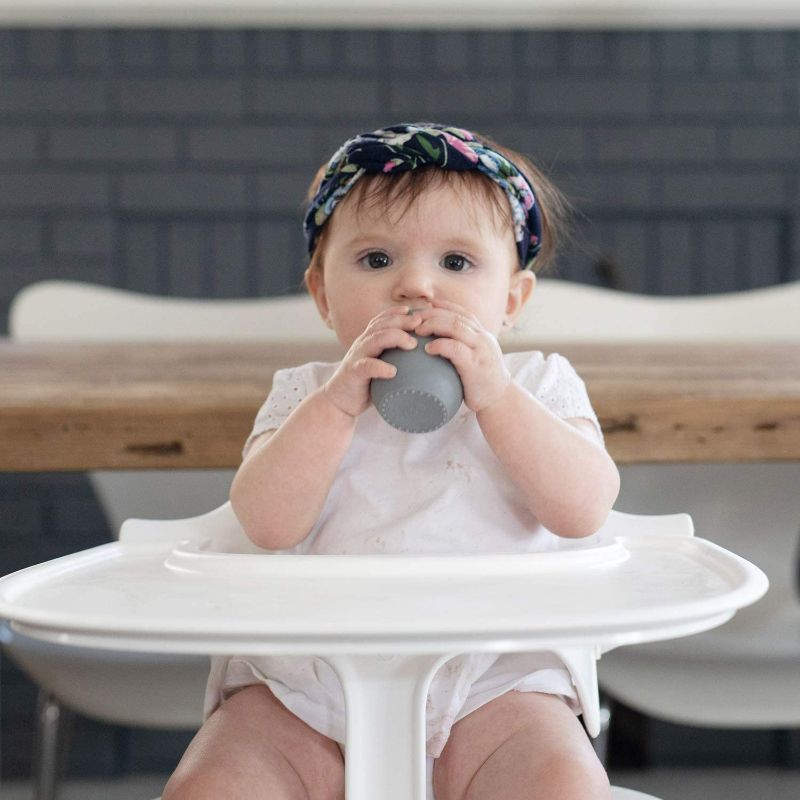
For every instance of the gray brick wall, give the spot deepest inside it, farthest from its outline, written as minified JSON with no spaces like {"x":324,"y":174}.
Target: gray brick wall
{"x":119,"y":147}
{"x":175,"y":161}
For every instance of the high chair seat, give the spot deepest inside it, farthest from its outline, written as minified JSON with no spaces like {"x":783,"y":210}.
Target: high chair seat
{"x":384,"y":624}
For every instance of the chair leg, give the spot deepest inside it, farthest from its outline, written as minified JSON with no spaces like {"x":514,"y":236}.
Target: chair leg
{"x":52,"y":721}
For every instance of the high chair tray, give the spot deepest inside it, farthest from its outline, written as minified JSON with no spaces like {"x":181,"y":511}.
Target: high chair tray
{"x":190,"y":597}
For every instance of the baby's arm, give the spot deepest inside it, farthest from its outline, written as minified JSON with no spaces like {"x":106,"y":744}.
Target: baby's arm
{"x":280,"y":489}
{"x":568,"y":479}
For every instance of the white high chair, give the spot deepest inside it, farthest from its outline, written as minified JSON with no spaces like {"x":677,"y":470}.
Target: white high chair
{"x":384,"y":624}
{"x":753,"y":509}
{"x":117,"y":687}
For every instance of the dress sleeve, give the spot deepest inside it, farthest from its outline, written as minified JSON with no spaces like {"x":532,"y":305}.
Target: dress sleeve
{"x":289,"y":387}
{"x":560,"y":389}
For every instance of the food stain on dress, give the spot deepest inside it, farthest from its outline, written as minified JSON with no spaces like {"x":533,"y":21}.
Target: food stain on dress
{"x":459,"y":469}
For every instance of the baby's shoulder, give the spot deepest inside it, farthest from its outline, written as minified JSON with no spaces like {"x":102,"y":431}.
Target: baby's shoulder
{"x":532,"y":361}
{"x":523,"y":360}
{"x":305,"y":377}
{"x":536,"y":370}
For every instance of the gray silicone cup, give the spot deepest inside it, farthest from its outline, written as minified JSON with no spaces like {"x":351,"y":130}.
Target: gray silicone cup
{"x":425,"y":393}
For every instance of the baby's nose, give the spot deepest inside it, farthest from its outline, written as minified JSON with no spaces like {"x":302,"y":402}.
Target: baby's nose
{"x":414,"y":283}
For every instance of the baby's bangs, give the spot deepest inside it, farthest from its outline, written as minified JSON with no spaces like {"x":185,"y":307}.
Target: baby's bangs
{"x":385,"y":193}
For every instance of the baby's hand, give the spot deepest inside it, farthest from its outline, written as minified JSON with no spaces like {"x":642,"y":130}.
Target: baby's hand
{"x":348,"y":388}
{"x":473,"y":350}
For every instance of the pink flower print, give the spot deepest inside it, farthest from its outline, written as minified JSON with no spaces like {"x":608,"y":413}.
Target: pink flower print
{"x":391,"y":164}
{"x":462,"y":148}
{"x":524,"y":192}
{"x":465,"y":134}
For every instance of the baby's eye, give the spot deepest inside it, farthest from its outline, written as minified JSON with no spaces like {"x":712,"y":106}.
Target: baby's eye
{"x":376,"y":260}
{"x":456,"y":263}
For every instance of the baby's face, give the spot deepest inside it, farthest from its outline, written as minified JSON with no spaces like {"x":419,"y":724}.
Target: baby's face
{"x":445,"y":247}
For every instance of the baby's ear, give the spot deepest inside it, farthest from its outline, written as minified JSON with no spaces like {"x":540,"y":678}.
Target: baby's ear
{"x":316,"y":288}
{"x":520,"y":289}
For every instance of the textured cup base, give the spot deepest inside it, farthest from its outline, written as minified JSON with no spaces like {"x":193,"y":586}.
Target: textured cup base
{"x":413,"y":411}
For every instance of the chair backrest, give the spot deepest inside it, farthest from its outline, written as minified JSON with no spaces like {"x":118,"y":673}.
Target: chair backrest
{"x":560,"y":311}
{"x":223,"y":531}
{"x":73,"y":311}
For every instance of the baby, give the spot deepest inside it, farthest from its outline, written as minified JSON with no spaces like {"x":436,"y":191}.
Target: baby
{"x":416,"y":230}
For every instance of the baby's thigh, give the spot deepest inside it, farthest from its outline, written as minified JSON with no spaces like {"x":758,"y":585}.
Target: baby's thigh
{"x":253,"y":746}
{"x":516,"y":737}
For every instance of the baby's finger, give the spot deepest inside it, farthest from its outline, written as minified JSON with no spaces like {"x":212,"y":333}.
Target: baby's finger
{"x":451,"y":325}
{"x":396,"y":317}
{"x":406,"y":322}
{"x":373,"y":343}
{"x":450,"y":306}
{"x":394,"y":311}
{"x":439,"y":311}
{"x":387,"y":315}
{"x":369,"y":368}
{"x":453,"y":350}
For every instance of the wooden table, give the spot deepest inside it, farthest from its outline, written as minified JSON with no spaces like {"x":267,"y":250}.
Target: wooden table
{"x":140,"y":406}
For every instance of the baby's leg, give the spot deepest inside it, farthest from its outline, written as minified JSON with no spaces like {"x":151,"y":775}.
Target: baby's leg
{"x":522,"y":745}
{"x":253,"y":747}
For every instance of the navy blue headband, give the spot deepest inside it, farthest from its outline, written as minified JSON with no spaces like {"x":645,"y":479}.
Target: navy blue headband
{"x":400,"y":148}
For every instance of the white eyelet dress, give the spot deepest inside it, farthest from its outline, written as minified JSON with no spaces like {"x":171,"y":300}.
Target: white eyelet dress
{"x":395,"y":492}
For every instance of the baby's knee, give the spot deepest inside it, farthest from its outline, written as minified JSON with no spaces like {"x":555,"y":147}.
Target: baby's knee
{"x":198,"y":778}
{"x":190,"y":785}
{"x":521,"y":763}
{"x":575,"y":776}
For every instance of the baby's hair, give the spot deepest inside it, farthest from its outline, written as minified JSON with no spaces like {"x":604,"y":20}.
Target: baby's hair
{"x":392,"y":190}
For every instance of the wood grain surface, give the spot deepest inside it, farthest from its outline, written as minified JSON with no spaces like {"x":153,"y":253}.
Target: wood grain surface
{"x":157,"y":405}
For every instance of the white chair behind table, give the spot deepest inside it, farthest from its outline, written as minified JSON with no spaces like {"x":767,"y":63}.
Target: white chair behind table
{"x":745,"y":674}
{"x":130,"y":689}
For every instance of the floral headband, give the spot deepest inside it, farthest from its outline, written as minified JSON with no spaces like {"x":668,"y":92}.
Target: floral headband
{"x":400,"y":148}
